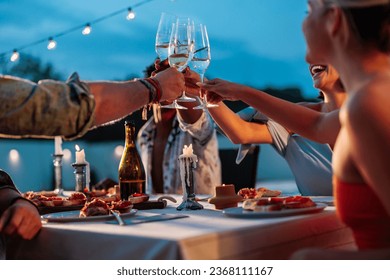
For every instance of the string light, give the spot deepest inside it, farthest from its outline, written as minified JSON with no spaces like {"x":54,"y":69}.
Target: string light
{"x":130,"y":14}
{"x":52,"y":44}
{"x":15,"y":55}
{"x":87,"y":29}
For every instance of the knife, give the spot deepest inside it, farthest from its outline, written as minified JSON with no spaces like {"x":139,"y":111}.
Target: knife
{"x":149,"y":219}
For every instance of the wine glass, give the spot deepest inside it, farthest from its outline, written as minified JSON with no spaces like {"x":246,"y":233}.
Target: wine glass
{"x":180,"y":52}
{"x":200,"y":60}
{"x":163,"y":34}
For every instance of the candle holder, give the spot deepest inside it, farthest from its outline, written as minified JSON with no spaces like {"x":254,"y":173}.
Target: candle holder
{"x":57,"y":163}
{"x":187,"y":164}
{"x":79,"y":173}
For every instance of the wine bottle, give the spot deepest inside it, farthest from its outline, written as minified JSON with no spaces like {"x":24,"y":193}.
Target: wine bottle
{"x":131,"y":170}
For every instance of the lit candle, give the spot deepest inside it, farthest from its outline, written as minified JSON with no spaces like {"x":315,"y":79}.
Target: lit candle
{"x":188,"y":152}
{"x":80,"y":159}
{"x":80,"y":155}
{"x":58,"y":145}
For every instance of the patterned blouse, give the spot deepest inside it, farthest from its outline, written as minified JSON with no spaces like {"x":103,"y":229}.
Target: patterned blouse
{"x":202,"y":135}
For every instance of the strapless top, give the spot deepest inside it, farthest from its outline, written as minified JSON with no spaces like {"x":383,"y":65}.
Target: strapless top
{"x":360,"y":209}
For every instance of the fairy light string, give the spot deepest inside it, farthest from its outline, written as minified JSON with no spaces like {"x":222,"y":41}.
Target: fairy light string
{"x":86,"y":29}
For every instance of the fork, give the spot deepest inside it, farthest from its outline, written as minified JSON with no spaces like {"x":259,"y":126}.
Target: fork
{"x":117,"y":217}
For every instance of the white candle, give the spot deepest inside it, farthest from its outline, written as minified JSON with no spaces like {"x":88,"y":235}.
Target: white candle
{"x":58,"y":145}
{"x":80,"y":155}
{"x":80,"y":159}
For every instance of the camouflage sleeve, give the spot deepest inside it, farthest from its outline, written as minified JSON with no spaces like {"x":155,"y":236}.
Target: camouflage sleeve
{"x":45,"y":109}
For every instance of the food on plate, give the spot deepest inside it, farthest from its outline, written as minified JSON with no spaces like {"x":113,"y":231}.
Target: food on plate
{"x":96,"y":207}
{"x":251,"y":193}
{"x":268,"y":193}
{"x":95,"y":193}
{"x":52,"y":201}
{"x":77,"y":198}
{"x":138,"y":198}
{"x":277,"y":203}
{"x":123,"y":206}
{"x":298,"y":201}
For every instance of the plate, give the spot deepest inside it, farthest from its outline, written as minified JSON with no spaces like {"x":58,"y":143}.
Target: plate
{"x":239,"y":212}
{"x":73,"y":216}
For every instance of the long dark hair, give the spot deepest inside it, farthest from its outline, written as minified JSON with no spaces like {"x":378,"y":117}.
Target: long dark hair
{"x":371,"y":25}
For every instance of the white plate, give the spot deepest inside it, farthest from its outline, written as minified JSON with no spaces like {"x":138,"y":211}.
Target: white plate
{"x":239,"y":212}
{"x":73,"y":216}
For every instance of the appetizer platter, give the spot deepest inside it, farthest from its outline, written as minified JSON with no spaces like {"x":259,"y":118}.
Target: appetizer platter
{"x":271,"y":207}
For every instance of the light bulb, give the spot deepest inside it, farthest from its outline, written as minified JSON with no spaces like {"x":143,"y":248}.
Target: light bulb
{"x":87,"y":29}
{"x":52,"y":44}
{"x":14,"y":56}
{"x":130,"y":14}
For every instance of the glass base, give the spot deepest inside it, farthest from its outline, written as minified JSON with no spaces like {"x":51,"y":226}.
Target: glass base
{"x":189,"y":204}
{"x":174,"y":105}
{"x":185,"y":98}
{"x":204,"y":106}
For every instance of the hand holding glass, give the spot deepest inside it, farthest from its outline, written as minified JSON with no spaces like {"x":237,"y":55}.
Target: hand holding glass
{"x":180,"y":52}
{"x":201,"y":59}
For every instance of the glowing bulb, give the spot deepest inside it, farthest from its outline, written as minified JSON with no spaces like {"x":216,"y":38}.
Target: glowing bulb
{"x":130,"y":14}
{"x":52,"y":44}
{"x":67,"y":154}
{"x":14,"y":156}
{"x":14,"y":56}
{"x":87,"y":29}
{"x":118,"y":151}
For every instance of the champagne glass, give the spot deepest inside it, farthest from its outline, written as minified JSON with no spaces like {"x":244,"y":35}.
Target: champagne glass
{"x":163,"y":34}
{"x":180,"y":52}
{"x":200,"y":60}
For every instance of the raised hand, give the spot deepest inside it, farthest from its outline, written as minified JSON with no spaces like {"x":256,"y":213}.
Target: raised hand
{"x":218,"y":90}
{"x":172,"y":83}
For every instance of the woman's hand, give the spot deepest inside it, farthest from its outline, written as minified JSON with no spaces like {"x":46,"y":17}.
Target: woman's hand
{"x":21,"y":219}
{"x":191,"y":79}
{"x":218,"y":90}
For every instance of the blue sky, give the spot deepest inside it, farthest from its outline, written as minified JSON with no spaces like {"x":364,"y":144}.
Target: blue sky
{"x":256,"y":42}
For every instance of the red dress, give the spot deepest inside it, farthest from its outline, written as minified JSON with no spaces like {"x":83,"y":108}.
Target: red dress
{"x":360,"y":209}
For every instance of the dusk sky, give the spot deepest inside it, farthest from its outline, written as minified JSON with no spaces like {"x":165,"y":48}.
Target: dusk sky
{"x":256,"y":42}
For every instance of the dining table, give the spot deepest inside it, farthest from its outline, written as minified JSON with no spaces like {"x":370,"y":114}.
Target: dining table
{"x":169,"y":234}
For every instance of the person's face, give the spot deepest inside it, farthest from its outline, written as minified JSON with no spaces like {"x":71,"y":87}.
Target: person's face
{"x":324,"y":76}
{"x":317,"y":43}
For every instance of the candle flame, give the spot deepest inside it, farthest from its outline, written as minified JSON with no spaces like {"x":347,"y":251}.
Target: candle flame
{"x":77,"y":148}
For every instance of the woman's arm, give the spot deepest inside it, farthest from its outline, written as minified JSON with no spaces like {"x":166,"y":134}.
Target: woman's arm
{"x":320,"y":127}
{"x":238,"y":130}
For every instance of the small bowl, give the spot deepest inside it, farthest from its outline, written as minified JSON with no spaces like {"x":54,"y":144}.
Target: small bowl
{"x":225,"y":197}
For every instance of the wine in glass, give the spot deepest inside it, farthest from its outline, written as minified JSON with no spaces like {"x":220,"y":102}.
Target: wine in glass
{"x":200,"y":60}
{"x":180,"y":52}
{"x":163,"y":34}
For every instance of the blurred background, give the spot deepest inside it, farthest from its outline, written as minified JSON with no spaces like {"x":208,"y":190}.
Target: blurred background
{"x":253,"y":42}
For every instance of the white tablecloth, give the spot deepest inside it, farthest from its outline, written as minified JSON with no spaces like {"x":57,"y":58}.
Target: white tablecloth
{"x":205,"y":234}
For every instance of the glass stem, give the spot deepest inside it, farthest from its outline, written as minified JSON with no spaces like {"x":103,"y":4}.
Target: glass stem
{"x":203,"y":97}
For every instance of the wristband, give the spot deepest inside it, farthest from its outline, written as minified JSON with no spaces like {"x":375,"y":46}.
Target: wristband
{"x":150,"y":87}
{"x":158,"y":89}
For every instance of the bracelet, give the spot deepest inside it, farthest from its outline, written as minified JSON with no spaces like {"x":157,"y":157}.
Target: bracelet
{"x":155,"y":93}
{"x":150,"y":87}
{"x":158,"y":89}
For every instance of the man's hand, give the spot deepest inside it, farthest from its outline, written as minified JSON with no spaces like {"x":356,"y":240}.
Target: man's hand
{"x":21,"y":219}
